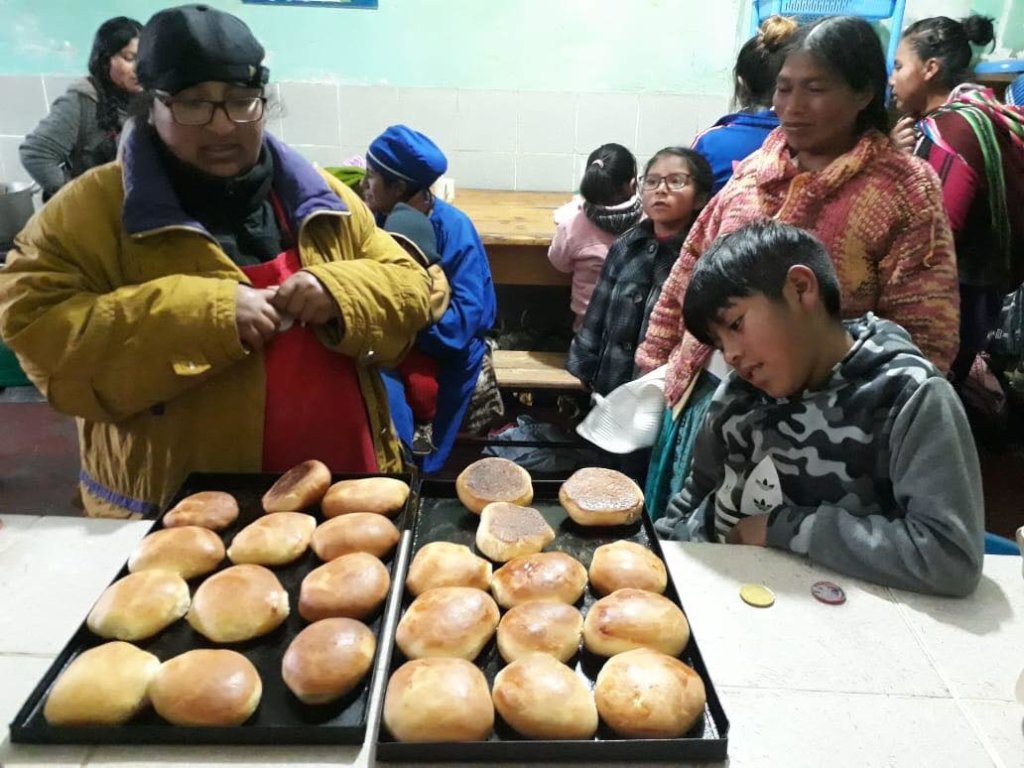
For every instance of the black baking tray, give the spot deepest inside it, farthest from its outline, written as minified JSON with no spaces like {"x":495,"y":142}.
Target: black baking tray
{"x":442,"y":517}
{"x":281,"y":718}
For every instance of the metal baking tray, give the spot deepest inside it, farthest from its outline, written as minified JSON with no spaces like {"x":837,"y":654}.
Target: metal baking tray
{"x":281,"y":718}
{"x":442,"y":517}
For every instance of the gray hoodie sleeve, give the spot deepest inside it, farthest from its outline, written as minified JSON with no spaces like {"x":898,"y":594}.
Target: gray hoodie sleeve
{"x":46,"y":152}
{"x":933,"y":541}
{"x":687,"y":512}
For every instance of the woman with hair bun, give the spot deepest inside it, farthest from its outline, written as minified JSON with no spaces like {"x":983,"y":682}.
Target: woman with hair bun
{"x":82,"y":129}
{"x":976,"y":145}
{"x":735,"y":136}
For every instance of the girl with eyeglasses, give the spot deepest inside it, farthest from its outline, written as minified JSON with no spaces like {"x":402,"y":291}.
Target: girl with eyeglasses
{"x":674,"y":188}
{"x":82,"y":128}
{"x":831,"y":169}
{"x":211,"y":302}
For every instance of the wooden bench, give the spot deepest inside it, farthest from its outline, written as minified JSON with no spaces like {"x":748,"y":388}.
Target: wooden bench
{"x":533,"y":370}
{"x":516,"y":229}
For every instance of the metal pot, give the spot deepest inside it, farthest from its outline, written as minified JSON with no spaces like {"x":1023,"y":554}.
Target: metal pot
{"x":16,"y":208}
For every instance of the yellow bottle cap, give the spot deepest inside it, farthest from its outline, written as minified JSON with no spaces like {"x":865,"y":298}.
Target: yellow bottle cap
{"x":757,"y":595}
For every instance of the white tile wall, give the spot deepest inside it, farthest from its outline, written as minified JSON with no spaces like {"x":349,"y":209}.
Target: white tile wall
{"x":605,"y":117}
{"x":486,"y":121}
{"x":483,"y":170}
{"x":666,"y":120}
{"x":430,"y":111}
{"x":547,"y":122}
{"x":365,"y":112}
{"x":494,"y":139}
{"x":24,"y":104}
{"x":55,"y":85}
{"x":321,"y":155}
{"x":310,"y":113}
{"x":10,"y":161}
{"x":544,"y":173}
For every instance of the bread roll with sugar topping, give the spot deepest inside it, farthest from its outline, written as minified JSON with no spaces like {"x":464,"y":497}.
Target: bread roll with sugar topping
{"x":595,"y":496}
{"x":493,"y":479}
{"x":509,"y":530}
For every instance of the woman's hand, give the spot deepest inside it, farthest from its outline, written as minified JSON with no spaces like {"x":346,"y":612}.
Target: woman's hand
{"x":255,"y":316}
{"x":305,"y":298}
{"x":904,"y":135}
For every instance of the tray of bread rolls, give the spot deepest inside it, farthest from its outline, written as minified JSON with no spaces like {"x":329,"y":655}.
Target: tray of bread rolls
{"x":539,"y":622}
{"x":251,"y":613}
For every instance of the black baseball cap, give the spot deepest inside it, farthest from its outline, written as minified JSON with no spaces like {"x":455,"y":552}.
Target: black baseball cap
{"x":191,"y":44}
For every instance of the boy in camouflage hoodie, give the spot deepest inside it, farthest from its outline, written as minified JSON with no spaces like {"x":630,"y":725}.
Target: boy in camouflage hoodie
{"x":837,"y":441}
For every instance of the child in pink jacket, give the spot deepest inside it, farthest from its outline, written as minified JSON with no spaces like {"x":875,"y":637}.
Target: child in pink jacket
{"x":610,"y":206}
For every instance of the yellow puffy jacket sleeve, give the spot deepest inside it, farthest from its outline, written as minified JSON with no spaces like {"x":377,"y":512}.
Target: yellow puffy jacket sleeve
{"x":99,"y":344}
{"x":383,"y":295}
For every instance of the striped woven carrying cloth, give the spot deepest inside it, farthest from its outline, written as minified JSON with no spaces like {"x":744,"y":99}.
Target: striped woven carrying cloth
{"x":986,"y":115}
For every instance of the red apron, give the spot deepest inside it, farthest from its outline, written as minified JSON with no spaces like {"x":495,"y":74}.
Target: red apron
{"x":315,"y":407}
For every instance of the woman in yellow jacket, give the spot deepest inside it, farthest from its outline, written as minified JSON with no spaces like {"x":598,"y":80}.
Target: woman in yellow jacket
{"x":210,"y":302}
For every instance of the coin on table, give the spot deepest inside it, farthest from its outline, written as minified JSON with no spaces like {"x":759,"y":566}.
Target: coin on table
{"x":757,"y":595}
{"x":827,"y":592}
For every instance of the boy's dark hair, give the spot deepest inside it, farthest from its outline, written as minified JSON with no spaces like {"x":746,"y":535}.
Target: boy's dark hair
{"x":113,"y":35}
{"x":949,"y":41}
{"x":849,"y":47}
{"x":700,"y":169}
{"x":759,"y":62}
{"x":609,"y":169}
{"x":754,"y":259}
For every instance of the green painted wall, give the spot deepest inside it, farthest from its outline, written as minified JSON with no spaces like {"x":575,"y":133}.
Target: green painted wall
{"x":551,"y":45}
{"x":554,"y":45}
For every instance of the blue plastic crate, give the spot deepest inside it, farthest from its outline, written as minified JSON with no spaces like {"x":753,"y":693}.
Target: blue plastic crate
{"x":868,"y":9}
{"x":810,"y":10}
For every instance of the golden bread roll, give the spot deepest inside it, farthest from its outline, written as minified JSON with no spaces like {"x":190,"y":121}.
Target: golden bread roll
{"x":509,"y":530}
{"x":493,"y":479}
{"x":328,"y":659}
{"x":634,"y":618}
{"x":540,"y":626}
{"x":276,"y":538}
{"x":352,"y":586}
{"x":455,"y":622}
{"x":376,"y":495}
{"x":541,"y":698}
{"x":105,"y":685}
{"x":443,"y":564}
{"x":643,"y":694}
{"x":206,"y":687}
{"x":597,"y":496}
{"x":189,"y":551}
{"x":438,"y":700}
{"x":238,"y":603}
{"x":139,"y":605}
{"x":624,"y":564}
{"x":357,"y":532}
{"x":215,"y":510}
{"x":544,"y":576}
{"x":300,"y":487}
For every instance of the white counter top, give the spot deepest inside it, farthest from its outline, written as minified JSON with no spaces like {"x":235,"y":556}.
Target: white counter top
{"x":889,"y":678}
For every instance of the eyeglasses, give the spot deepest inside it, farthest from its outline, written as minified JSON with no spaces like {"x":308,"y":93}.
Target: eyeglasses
{"x":674,"y":181}
{"x":241,"y":110}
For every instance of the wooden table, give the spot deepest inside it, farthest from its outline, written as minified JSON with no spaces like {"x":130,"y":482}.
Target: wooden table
{"x":516,"y":229}
{"x":891,"y":678}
